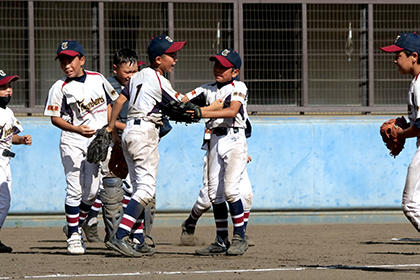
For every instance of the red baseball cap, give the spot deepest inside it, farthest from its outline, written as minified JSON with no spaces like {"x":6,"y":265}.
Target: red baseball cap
{"x":405,"y":41}
{"x":228,"y":58}
{"x":70,"y":48}
{"x":161,"y":45}
{"x":4,"y":78}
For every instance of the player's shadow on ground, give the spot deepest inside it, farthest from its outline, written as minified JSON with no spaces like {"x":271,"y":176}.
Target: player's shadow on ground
{"x":395,"y":253}
{"x":390,"y":243}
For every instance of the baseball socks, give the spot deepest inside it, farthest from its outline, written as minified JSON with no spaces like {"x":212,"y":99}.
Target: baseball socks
{"x":72,"y":217}
{"x":92,"y":217}
{"x":84,"y":211}
{"x":221,"y":244}
{"x":90,"y":226}
{"x":120,"y":242}
{"x":131,"y":214}
{"x":239,"y":244}
{"x":74,"y":242}
{"x":139,"y":244}
{"x":221,"y":216}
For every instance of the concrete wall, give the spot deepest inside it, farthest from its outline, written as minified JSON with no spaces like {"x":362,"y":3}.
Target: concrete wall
{"x":298,"y":163}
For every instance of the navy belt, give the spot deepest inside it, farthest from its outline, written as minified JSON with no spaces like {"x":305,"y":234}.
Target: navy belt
{"x":138,"y":122}
{"x":220,"y":131}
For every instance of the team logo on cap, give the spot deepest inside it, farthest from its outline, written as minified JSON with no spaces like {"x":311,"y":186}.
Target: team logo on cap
{"x":64,"y":45}
{"x":225,"y":52}
{"x":398,"y":37}
{"x":2,"y":73}
{"x":169,"y":39}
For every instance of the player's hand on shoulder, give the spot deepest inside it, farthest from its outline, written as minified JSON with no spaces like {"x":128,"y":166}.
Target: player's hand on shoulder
{"x":86,"y":131}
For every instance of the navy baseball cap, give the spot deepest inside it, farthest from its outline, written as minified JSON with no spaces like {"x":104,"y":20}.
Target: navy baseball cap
{"x":70,"y":48}
{"x":228,"y":58}
{"x":405,"y":41}
{"x":161,"y":45}
{"x":4,"y":78}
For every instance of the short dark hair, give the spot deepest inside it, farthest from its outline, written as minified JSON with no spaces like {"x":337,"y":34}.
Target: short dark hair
{"x":409,"y":53}
{"x":125,"y":55}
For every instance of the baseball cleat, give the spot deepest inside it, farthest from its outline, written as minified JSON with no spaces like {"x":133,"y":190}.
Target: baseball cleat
{"x":122,"y":246}
{"x":150,"y":241}
{"x":238,"y":246}
{"x":91,"y":232}
{"x":214,"y":248}
{"x":187,"y":234}
{"x":75,"y":244}
{"x":143,"y":248}
{"x":5,"y":249}
{"x":249,"y":241}
{"x":66,"y":230}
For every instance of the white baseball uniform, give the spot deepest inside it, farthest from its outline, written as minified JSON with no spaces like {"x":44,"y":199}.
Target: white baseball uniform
{"x":9,"y":126}
{"x":80,"y":101}
{"x":203,"y":203}
{"x":147,"y":92}
{"x":227,"y":152}
{"x":411,"y":194}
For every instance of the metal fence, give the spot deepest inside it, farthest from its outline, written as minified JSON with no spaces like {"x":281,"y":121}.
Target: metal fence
{"x":299,"y":56}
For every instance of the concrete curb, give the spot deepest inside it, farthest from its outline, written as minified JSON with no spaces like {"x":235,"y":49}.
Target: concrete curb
{"x":256,"y":218}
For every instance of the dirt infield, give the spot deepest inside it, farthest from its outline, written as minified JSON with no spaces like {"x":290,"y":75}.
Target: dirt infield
{"x":351,"y":251}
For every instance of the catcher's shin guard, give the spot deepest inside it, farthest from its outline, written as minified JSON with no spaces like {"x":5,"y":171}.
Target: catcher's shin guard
{"x":112,"y":196}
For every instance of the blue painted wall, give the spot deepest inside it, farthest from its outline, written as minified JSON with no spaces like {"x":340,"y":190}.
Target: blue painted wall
{"x":298,"y":163}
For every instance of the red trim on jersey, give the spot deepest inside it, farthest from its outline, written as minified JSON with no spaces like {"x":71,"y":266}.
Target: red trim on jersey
{"x":92,"y":73}
{"x":157,"y":75}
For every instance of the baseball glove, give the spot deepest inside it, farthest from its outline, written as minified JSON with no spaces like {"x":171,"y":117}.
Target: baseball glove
{"x":177,"y":111}
{"x":389,"y":132}
{"x":98,"y":148}
{"x":117,"y":164}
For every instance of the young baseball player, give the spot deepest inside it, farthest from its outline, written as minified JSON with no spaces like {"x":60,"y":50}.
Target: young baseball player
{"x":147,"y":92}
{"x":407,"y":49}
{"x":227,"y":152}
{"x":125,"y":63}
{"x":10,"y":127}
{"x":78,"y":104}
{"x":203,"y":204}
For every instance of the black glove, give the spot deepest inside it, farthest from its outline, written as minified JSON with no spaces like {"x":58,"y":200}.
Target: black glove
{"x":98,"y":148}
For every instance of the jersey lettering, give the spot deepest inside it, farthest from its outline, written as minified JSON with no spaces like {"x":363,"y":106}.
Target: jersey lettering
{"x":91,"y":104}
{"x":137,"y":92}
{"x":6,"y":132}
{"x":52,"y":108}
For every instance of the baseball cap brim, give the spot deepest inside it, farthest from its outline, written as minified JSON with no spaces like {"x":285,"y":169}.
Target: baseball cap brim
{"x":392,"y":48}
{"x":141,"y":63}
{"x":9,"y":79}
{"x":68,"y":52}
{"x":223,"y":60}
{"x":176,"y":46}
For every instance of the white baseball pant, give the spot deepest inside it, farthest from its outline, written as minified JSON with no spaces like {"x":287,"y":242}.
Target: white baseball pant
{"x":5,"y":188}
{"x":411,"y":194}
{"x":140,"y":147}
